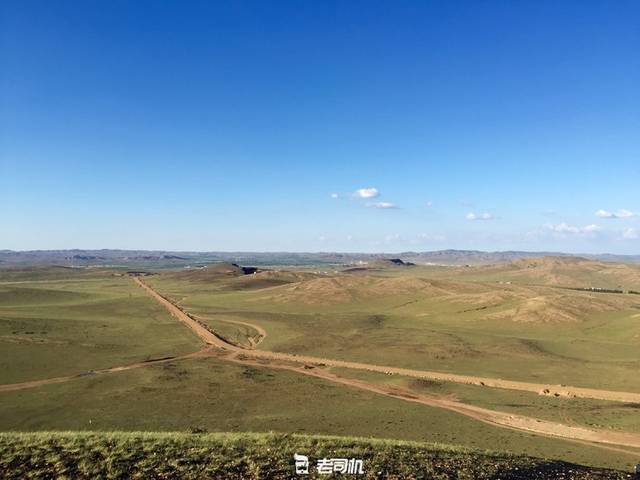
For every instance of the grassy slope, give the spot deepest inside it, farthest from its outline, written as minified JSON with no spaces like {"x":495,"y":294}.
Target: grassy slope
{"x":572,"y":411}
{"x":217,"y":396}
{"x":214,"y":395}
{"x":567,"y":272}
{"x":600,"y":351}
{"x":232,"y":332}
{"x":415,"y":330}
{"x":255,"y":456}
{"x":86,"y":321}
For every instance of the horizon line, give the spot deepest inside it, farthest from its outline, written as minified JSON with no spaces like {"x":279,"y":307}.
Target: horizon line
{"x":317,"y":252}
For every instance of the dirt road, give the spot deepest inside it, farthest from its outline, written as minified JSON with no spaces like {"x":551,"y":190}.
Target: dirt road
{"x":309,"y":366}
{"x":254,"y":340}
{"x":615,"y":441}
{"x":216,"y":346}
{"x":540,"y":388}
{"x":206,"y":351}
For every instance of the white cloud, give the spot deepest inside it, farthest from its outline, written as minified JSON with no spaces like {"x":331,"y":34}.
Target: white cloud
{"x":369,"y":192}
{"x":429,"y":204}
{"x":566,"y":229}
{"x":631,"y":234}
{"x":382,"y":205}
{"x":431,"y":237}
{"x":392,"y":238}
{"x":591,"y":228}
{"x":605,"y":214}
{"x":335,"y":195}
{"x":563,"y":228}
{"x":622,"y":213}
{"x":479,"y":216}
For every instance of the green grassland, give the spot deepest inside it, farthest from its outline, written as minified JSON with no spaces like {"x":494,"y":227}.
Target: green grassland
{"x":557,"y":271}
{"x":88,"y":320}
{"x":257,"y":456}
{"x":542,"y":334}
{"x":598,"y":414}
{"x":47,"y":274}
{"x":215,"y":396}
{"x":66,"y":321}
{"x":226,"y":327}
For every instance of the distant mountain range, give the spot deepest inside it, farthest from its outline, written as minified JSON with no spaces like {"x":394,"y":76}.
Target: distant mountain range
{"x":167,"y":259}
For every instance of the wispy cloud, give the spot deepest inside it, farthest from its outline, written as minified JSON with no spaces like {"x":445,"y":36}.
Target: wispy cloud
{"x":334,"y":195}
{"x":622,"y":213}
{"x":431,"y":237}
{"x":605,"y":214}
{"x":392,"y":238}
{"x":479,"y":216}
{"x":566,"y":229}
{"x":591,"y":228}
{"x":369,"y":192}
{"x":382,"y":205}
{"x":631,"y":234}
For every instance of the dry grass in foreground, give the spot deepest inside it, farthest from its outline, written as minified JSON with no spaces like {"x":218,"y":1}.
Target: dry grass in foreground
{"x":257,"y":456}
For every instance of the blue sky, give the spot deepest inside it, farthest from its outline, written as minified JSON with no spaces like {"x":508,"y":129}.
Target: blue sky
{"x":233,"y":125}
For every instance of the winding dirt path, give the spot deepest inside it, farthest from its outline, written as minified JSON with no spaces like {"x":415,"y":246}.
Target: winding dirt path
{"x":540,"y":388}
{"x":8,"y":387}
{"x":254,"y":341}
{"x":217,"y":346}
{"x":503,"y":419}
{"x":492,"y":417}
